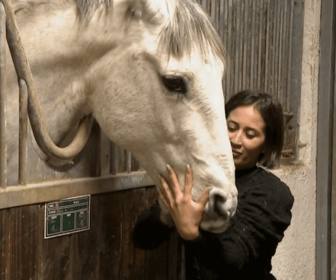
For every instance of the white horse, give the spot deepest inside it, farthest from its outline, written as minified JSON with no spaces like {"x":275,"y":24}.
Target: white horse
{"x":149,"y":71}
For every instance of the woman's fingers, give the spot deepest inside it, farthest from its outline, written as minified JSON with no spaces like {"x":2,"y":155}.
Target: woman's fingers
{"x":175,"y":185}
{"x":203,"y":199}
{"x":164,"y":192}
{"x":188,"y":181}
{"x":163,"y":201}
{"x":185,"y":213}
{"x":173,"y":190}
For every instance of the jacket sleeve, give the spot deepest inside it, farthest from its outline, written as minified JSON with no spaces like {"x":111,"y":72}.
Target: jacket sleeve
{"x":257,"y":228}
{"x":149,"y":232}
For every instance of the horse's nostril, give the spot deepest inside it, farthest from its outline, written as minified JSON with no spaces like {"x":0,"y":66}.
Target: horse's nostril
{"x":219,"y":201}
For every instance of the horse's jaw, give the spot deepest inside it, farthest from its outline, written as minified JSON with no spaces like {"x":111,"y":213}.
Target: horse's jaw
{"x":210,"y":174}
{"x":211,"y":222}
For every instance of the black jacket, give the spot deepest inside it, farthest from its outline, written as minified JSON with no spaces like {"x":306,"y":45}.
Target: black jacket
{"x":244,"y":251}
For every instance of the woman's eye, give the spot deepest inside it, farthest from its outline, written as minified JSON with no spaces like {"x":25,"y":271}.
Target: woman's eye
{"x":231,"y":126}
{"x":250,"y":134}
{"x":175,"y":84}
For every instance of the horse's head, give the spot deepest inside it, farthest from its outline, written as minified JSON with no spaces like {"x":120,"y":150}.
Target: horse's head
{"x":159,"y":95}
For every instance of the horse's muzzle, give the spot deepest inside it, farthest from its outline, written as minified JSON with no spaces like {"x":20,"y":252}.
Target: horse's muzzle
{"x":219,"y":201}
{"x":219,"y":210}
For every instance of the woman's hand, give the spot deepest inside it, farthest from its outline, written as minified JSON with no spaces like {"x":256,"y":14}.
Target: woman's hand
{"x":186,"y":213}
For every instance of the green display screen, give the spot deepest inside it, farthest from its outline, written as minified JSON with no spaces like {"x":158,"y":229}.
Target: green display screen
{"x":67,"y":216}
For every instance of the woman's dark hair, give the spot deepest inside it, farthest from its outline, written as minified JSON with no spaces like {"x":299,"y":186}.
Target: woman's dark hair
{"x":271,"y":112}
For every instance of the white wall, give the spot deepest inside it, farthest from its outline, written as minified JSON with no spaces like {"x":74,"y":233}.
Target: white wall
{"x":295,"y":257}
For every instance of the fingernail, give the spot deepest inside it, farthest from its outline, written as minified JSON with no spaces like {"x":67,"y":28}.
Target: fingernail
{"x":188,"y":166}
{"x":168,"y":167}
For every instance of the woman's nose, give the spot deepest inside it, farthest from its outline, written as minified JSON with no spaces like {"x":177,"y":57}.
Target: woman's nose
{"x":235,"y":138}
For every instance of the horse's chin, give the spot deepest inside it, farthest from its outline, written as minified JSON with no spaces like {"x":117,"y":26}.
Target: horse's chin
{"x":215,"y":226}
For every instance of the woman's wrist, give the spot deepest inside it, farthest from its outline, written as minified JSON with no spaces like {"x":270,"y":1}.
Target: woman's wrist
{"x":185,"y":233}
{"x":189,"y":234}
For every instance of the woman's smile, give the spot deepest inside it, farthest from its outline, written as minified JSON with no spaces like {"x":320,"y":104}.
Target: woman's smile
{"x":246,"y":133}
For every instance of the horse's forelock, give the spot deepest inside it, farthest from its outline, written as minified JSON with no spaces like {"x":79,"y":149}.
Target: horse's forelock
{"x":86,"y":8}
{"x":135,"y":8}
{"x":191,"y":26}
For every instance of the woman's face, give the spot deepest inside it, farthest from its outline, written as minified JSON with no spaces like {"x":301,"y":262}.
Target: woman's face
{"x":246,"y":130}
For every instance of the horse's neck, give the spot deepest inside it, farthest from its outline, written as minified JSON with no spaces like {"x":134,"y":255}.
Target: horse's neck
{"x":59,"y":54}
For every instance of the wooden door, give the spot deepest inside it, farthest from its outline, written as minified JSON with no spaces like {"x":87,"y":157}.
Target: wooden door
{"x":105,"y":252}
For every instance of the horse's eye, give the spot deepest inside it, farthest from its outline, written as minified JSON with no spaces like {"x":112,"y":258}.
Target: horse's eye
{"x":175,"y":84}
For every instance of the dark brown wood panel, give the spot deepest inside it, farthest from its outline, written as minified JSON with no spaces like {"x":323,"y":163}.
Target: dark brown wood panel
{"x":104,"y":252}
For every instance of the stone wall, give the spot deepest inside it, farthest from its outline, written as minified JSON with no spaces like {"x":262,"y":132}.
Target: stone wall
{"x":295,"y":257}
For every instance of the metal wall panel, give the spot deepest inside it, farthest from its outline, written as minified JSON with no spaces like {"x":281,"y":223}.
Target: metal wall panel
{"x":3,"y":99}
{"x":326,"y":147}
{"x":263,"y":40}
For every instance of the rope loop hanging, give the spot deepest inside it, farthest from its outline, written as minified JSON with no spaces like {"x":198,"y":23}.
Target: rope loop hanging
{"x":56,"y":155}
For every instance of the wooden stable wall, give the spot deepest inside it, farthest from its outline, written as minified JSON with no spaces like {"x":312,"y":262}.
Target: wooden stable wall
{"x":104,"y":252}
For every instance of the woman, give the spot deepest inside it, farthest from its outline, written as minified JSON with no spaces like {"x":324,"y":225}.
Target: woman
{"x":244,"y":251}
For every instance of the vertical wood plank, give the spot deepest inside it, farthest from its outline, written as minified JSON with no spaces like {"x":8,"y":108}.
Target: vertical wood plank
{"x":3,"y":99}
